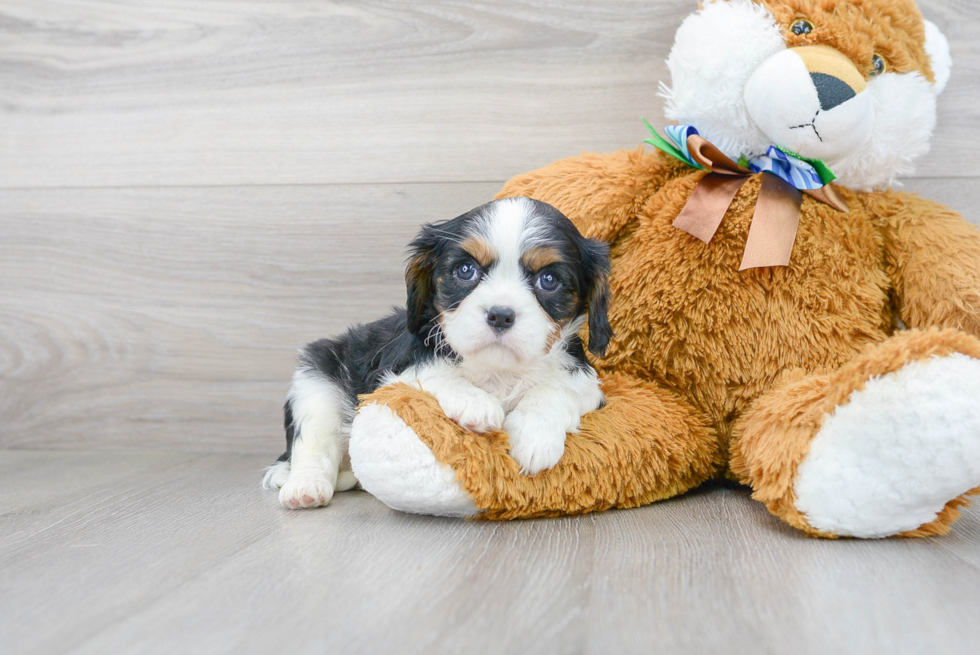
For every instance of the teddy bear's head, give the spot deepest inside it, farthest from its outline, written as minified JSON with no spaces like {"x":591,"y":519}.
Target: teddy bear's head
{"x":850,"y":82}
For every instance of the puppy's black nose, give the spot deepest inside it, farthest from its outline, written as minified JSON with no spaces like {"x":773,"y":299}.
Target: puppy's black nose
{"x":500,"y":318}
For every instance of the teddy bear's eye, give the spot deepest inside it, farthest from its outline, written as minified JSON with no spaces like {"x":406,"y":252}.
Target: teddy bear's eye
{"x":878,"y":65}
{"x":801,"y":27}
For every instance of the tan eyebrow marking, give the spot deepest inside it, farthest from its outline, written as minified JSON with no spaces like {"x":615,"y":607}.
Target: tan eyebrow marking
{"x":480,"y":250}
{"x":538,"y":258}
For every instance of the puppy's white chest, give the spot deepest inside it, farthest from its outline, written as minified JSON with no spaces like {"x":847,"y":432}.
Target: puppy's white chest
{"x":508,"y":388}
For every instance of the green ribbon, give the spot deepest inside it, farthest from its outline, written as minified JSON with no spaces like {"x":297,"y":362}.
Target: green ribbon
{"x":658,"y":141}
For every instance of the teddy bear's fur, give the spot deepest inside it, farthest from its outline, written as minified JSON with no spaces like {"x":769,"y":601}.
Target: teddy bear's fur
{"x":844,"y":388}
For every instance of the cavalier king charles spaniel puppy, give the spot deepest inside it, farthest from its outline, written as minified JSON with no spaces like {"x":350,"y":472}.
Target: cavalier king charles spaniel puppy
{"x":496,"y":300}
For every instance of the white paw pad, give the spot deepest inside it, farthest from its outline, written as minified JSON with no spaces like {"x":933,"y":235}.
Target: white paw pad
{"x":305,"y":489}
{"x":890,"y":459}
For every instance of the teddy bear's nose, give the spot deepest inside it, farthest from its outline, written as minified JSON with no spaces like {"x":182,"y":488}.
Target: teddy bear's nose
{"x":831,"y":91}
{"x":834,"y":76}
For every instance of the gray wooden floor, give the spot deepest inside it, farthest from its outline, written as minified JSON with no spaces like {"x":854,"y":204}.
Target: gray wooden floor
{"x":164,"y":552}
{"x":192,"y":189}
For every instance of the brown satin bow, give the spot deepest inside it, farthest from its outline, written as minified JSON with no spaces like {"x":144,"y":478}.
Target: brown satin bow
{"x":777,"y":210}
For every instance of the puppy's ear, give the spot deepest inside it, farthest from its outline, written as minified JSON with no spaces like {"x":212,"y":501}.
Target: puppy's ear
{"x":420,"y":278}
{"x":595,"y":259}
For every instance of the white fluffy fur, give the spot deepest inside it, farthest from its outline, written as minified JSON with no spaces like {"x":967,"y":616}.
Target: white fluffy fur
{"x":719,"y":48}
{"x":905,"y":116}
{"x":397,"y":468}
{"x":276,"y":475}
{"x":311,"y":476}
{"x":942,"y":62}
{"x":715,"y":52}
{"x":889,"y":460}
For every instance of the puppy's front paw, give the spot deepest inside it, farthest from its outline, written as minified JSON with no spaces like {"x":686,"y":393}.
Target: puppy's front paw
{"x":472,"y":408}
{"x":535,"y":442}
{"x":305,"y":489}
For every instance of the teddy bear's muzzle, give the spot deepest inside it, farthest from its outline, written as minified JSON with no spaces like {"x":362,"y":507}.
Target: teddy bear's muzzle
{"x":813,"y":101}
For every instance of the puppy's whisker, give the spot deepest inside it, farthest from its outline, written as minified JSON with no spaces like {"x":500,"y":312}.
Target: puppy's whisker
{"x":441,"y":345}
{"x":436,"y":327}
{"x":434,"y":333}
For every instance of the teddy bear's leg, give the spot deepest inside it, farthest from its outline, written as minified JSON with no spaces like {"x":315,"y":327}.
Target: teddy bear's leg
{"x":646,"y":444}
{"x":887,"y":445}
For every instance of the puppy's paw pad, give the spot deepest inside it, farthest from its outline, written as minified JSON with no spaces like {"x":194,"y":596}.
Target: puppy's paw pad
{"x":475,"y":410}
{"x":305,"y":490}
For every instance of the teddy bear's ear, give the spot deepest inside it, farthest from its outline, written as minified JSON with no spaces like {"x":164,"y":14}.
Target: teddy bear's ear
{"x":937,"y":47}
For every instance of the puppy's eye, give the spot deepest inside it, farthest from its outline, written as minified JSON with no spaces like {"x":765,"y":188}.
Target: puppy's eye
{"x":466,"y":271}
{"x":801,"y":27}
{"x":547,"y":282}
{"x":878,"y":65}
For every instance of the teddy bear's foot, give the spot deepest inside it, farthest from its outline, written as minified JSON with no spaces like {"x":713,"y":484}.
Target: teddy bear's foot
{"x":392,"y":464}
{"x":888,"y":445}
{"x":890,"y":460}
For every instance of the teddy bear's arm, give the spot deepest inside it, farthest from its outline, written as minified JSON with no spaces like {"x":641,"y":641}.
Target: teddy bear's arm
{"x":933,"y":258}
{"x":601,"y":194}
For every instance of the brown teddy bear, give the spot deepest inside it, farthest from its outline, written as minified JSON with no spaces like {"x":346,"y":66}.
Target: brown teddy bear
{"x":814,"y":340}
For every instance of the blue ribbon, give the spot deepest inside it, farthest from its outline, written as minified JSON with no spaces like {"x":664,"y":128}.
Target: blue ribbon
{"x":678,"y":134}
{"x":789,"y":169}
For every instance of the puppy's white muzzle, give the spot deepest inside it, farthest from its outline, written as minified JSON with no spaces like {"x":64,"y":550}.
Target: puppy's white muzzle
{"x":500,"y":324}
